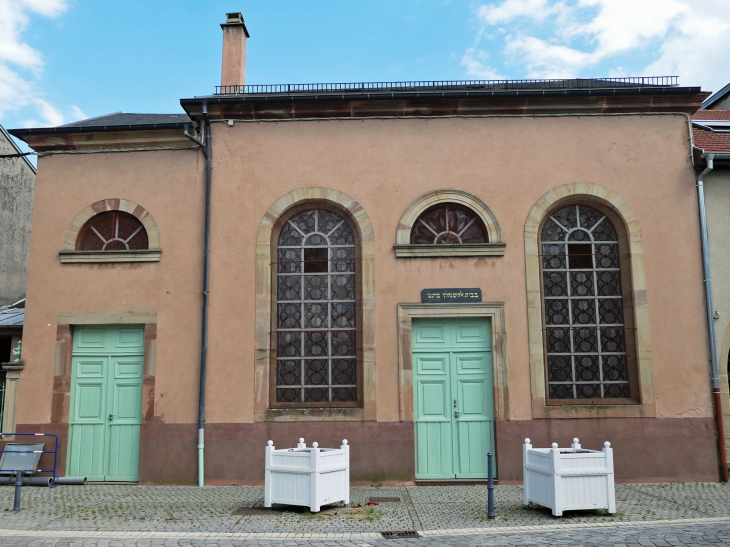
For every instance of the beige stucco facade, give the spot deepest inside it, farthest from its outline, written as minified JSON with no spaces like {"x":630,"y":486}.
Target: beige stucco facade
{"x":516,"y":168}
{"x":717,"y":198}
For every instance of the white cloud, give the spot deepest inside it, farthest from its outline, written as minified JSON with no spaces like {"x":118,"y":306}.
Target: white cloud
{"x":21,"y":65}
{"x":562,"y":38}
{"x":474,"y":61}
{"x":510,"y":9}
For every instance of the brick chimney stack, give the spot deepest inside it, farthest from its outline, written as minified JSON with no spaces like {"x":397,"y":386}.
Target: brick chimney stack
{"x":235,"y":35}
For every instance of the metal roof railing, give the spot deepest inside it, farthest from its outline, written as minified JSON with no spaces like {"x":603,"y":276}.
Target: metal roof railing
{"x":449,"y":85}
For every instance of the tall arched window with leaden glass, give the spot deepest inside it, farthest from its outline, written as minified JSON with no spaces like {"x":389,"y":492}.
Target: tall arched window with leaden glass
{"x":316,"y":311}
{"x":586,"y":334}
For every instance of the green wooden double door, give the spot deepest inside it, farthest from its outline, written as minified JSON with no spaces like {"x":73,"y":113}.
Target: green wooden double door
{"x":452,"y":392}
{"x":106,"y":403}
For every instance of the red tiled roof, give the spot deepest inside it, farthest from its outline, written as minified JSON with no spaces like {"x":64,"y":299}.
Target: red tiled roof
{"x":711,"y":115}
{"x":710,"y":141}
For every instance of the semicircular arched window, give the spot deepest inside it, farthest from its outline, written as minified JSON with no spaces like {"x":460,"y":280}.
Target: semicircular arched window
{"x":448,"y":224}
{"x":316,"y":314}
{"x":112,"y":231}
{"x":589,"y":355}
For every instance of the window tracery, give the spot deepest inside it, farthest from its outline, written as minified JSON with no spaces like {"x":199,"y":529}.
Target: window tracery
{"x":448,"y":223}
{"x":112,"y":231}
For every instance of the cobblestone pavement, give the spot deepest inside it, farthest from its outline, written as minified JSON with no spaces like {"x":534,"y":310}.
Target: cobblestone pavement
{"x":633,"y":535}
{"x":166,"y":511}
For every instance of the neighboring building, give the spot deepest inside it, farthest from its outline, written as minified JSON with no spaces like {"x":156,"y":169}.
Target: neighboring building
{"x":559,"y":216}
{"x":11,"y":333}
{"x":711,"y":130}
{"x":718,"y":101}
{"x":17,"y":182}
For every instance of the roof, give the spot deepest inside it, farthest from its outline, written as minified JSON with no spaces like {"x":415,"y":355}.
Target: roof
{"x":712,"y":99}
{"x":712,"y":137}
{"x":711,"y":115}
{"x":12,"y":316}
{"x":120,"y":118}
{"x":118,"y":121}
{"x":12,"y":142}
{"x":425,"y":86}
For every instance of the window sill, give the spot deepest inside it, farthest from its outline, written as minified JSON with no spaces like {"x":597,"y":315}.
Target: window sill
{"x":625,"y":410}
{"x":81,"y":257}
{"x":339,"y":414}
{"x":465,"y":250}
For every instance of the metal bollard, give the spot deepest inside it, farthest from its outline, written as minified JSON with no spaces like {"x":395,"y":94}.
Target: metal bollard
{"x":18,"y":485}
{"x":490,"y":487}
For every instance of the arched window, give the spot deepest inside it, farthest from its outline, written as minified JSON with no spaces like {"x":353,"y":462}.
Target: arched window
{"x":448,"y":223}
{"x":316,"y":339}
{"x":586,"y":330}
{"x":112,"y":231}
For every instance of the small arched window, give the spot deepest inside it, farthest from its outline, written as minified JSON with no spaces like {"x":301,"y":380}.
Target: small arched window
{"x":112,"y":231}
{"x":316,"y":312}
{"x":583,"y":301}
{"x":448,"y":224}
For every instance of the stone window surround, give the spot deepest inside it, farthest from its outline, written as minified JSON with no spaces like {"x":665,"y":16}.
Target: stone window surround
{"x":61,"y":399}
{"x":262,"y":337}
{"x":69,"y":254}
{"x":494,"y":311}
{"x":551,"y":200}
{"x":405,"y":249}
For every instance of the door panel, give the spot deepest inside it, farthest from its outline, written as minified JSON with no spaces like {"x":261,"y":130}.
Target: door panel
{"x":433,"y":428}
{"x":106,"y":403}
{"x":453,"y":405}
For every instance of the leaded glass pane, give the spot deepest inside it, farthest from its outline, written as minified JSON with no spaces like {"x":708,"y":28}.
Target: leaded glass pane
{"x":585,"y":337}
{"x":288,"y":373}
{"x":316,"y":395}
{"x":316,"y":309}
{"x":289,"y":287}
{"x":343,"y":314}
{"x":290,"y":316}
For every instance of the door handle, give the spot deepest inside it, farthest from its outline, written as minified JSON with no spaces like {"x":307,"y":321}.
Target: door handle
{"x":110,"y":417}
{"x":456,"y":413}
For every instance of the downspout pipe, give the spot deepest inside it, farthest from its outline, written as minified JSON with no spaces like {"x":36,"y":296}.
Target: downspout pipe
{"x":709,"y":308}
{"x":207,"y":148}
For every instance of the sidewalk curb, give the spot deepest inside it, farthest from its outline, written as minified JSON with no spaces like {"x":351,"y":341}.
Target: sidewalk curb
{"x":119,"y":534}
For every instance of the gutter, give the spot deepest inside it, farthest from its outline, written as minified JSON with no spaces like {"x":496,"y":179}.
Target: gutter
{"x":709,"y":307}
{"x":207,"y":149}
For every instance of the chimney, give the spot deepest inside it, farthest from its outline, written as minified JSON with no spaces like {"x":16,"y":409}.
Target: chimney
{"x":234,"y":50}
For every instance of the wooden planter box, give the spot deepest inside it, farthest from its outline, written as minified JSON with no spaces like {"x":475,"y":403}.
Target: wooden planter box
{"x":566,"y":479}
{"x":311,"y":477}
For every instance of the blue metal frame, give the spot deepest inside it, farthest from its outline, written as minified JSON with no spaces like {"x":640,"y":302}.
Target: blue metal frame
{"x":54,"y":452}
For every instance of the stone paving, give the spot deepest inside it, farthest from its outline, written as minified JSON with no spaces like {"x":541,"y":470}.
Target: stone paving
{"x":238,"y":510}
{"x":633,"y":535}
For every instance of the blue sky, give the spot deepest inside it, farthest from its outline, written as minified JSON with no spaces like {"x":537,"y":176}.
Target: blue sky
{"x":62,"y":60}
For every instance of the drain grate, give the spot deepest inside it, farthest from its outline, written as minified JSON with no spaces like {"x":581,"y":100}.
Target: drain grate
{"x":400,"y":534}
{"x":384,"y":500}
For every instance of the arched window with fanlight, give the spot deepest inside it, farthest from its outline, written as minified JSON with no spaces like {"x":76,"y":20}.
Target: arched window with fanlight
{"x":588,"y":315}
{"x":448,"y":224}
{"x":316,"y":331}
{"x":112,"y":231}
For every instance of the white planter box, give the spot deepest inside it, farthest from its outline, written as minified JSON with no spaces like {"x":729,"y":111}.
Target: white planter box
{"x":311,"y":477}
{"x":565,"y":479}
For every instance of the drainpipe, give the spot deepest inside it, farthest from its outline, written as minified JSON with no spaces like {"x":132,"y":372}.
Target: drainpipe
{"x":206,"y":147}
{"x":710,"y":158}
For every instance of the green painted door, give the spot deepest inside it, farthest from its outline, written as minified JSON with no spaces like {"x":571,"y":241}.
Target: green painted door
{"x":106,"y":403}
{"x":452,"y":393}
